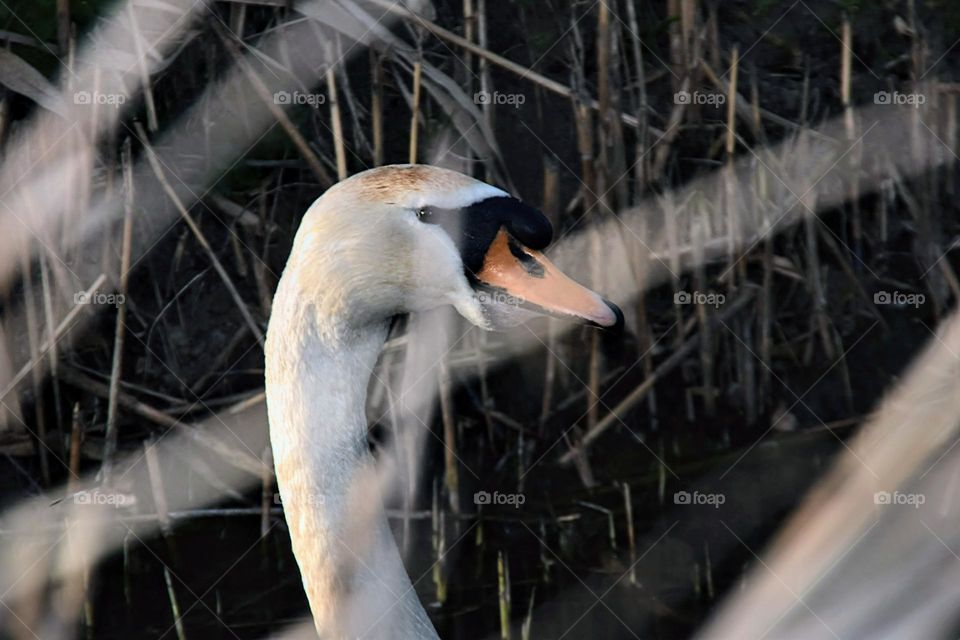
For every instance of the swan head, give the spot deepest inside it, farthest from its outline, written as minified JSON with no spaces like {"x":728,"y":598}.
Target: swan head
{"x":409,"y":238}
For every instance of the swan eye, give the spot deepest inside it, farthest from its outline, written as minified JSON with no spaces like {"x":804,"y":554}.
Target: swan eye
{"x":425,"y":214}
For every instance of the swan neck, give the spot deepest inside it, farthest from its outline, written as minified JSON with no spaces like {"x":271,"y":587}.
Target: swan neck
{"x":317,"y":371}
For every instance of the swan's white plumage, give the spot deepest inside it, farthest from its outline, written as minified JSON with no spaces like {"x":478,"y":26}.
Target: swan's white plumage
{"x":359,"y":257}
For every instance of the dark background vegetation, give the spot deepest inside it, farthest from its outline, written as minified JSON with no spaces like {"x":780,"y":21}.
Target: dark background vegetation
{"x":193,"y":353}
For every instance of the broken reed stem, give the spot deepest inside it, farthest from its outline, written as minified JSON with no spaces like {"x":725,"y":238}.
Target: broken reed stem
{"x":110,"y":438}
{"x":198,"y":234}
{"x":58,"y":333}
{"x":336,"y":122}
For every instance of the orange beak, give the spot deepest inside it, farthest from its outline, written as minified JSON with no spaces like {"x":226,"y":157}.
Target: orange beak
{"x":537,"y":284}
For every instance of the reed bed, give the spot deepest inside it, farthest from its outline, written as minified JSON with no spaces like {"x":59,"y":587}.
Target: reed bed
{"x":767,"y":190}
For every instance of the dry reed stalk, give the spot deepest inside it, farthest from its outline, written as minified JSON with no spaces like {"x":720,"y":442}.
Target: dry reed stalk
{"x":675,"y":31}
{"x":76,"y":437}
{"x":641,"y":163}
{"x":266,"y":494}
{"x":439,"y":540}
{"x":376,"y":106}
{"x":483,"y":67}
{"x":631,"y":532}
{"x":119,"y":335}
{"x":451,"y":476}
{"x":503,"y":591}
{"x":850,"y":128}
{"x":63,"y":26}
{"x":527,"y":626}
{"x":598,"y":186}
{"x":415,"y":107}
{"x":336,"y":121}
{"x":952,"y":140}
{"x":662,"y":154}
{"x":469,"y":27}
{"x":735,"y":229}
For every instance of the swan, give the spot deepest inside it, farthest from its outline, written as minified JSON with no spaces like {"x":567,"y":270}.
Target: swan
{"x":387,"y":241}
